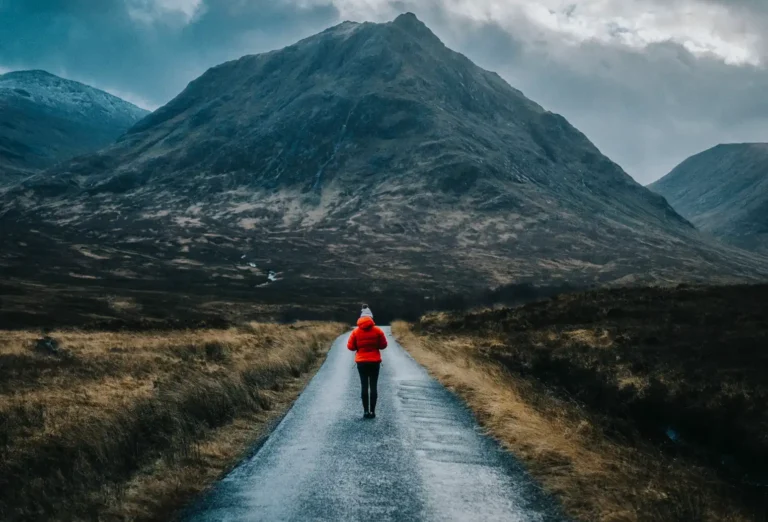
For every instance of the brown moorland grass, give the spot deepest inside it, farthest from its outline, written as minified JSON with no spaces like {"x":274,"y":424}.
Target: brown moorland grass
{"x":128,"y":426}
{"x":590,"y":390}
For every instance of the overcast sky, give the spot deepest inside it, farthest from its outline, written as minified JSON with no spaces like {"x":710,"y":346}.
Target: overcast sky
{"x":650,"y":82}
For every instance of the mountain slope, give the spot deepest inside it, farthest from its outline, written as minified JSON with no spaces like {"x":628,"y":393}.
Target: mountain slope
{"x":723,"y":191}
{"x":45,"y":119}
{"x":365,"y":158}
{"x":360,"y":98}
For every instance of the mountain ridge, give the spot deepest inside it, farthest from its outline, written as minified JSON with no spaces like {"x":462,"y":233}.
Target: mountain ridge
{"x":723,"y":191}
{"x":45,"y":119}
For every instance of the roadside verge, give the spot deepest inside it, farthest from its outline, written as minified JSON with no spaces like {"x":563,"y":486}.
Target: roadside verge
{"x":596,"y":475}
{"x":132,"y":425}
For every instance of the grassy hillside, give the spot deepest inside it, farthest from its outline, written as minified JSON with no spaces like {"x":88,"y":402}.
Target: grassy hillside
{"x":724,"y":192}
{"x":631,"y":404}
{"x":129,"y":425}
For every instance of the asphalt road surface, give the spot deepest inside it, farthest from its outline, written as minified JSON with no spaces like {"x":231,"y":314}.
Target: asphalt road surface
{"x":422,"y":458}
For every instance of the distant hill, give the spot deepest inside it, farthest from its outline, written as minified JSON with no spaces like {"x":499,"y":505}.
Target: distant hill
{"x":723,"y":191}
{"x":45,"y":119}
{"x":367,"y":159}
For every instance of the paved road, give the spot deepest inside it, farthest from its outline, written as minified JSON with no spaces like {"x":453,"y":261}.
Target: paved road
{"x":422,"y":458}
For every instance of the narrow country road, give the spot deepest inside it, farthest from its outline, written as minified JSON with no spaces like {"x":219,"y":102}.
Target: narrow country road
{"x":422,"y":458}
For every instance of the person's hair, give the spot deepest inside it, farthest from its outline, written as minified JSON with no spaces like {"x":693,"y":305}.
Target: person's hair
{"x":365,"y":306}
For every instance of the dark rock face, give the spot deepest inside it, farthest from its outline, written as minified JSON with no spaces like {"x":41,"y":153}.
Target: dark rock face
{"x":369,"y":154}
{"x":45,"y":119}
{"x":724,"y":192}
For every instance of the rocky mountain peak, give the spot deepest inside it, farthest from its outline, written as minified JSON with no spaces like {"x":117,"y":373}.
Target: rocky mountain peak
{"x":409,"y":23}
{"x":45,"y":119}
{"x":48,"y":90}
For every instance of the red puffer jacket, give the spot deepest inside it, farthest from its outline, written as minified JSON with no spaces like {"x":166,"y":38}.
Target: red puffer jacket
{"x":367,"y":340}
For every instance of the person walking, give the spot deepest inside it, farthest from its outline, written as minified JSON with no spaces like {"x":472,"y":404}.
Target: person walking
{"x":367,"y":340}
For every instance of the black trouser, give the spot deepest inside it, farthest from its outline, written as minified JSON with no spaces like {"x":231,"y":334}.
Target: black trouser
{"x":369,"y":376}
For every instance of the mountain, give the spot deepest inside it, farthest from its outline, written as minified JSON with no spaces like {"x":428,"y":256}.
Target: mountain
{"x":724,"y":192}
{"x":365,"y":159}
{"x":45,"y":119}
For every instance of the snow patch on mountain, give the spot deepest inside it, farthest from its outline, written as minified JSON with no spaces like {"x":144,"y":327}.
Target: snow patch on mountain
{"x":50,"y":91}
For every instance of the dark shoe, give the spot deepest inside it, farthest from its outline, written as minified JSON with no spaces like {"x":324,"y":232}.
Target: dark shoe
{"x":366,"y":415}
{"x":372,"y":415}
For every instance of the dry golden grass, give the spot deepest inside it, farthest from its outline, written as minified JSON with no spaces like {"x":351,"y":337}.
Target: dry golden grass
{"x":596,"y":477}
{"x":128,"y":425}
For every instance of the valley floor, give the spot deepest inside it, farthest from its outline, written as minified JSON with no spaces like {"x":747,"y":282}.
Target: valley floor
{"x":628,"y":404}
{"x":643,"y":404}
{"x":128,"y":425}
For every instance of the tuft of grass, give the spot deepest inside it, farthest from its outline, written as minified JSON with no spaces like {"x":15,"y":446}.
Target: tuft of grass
{"x":104,"y":429}
{"x":628,"y":404}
